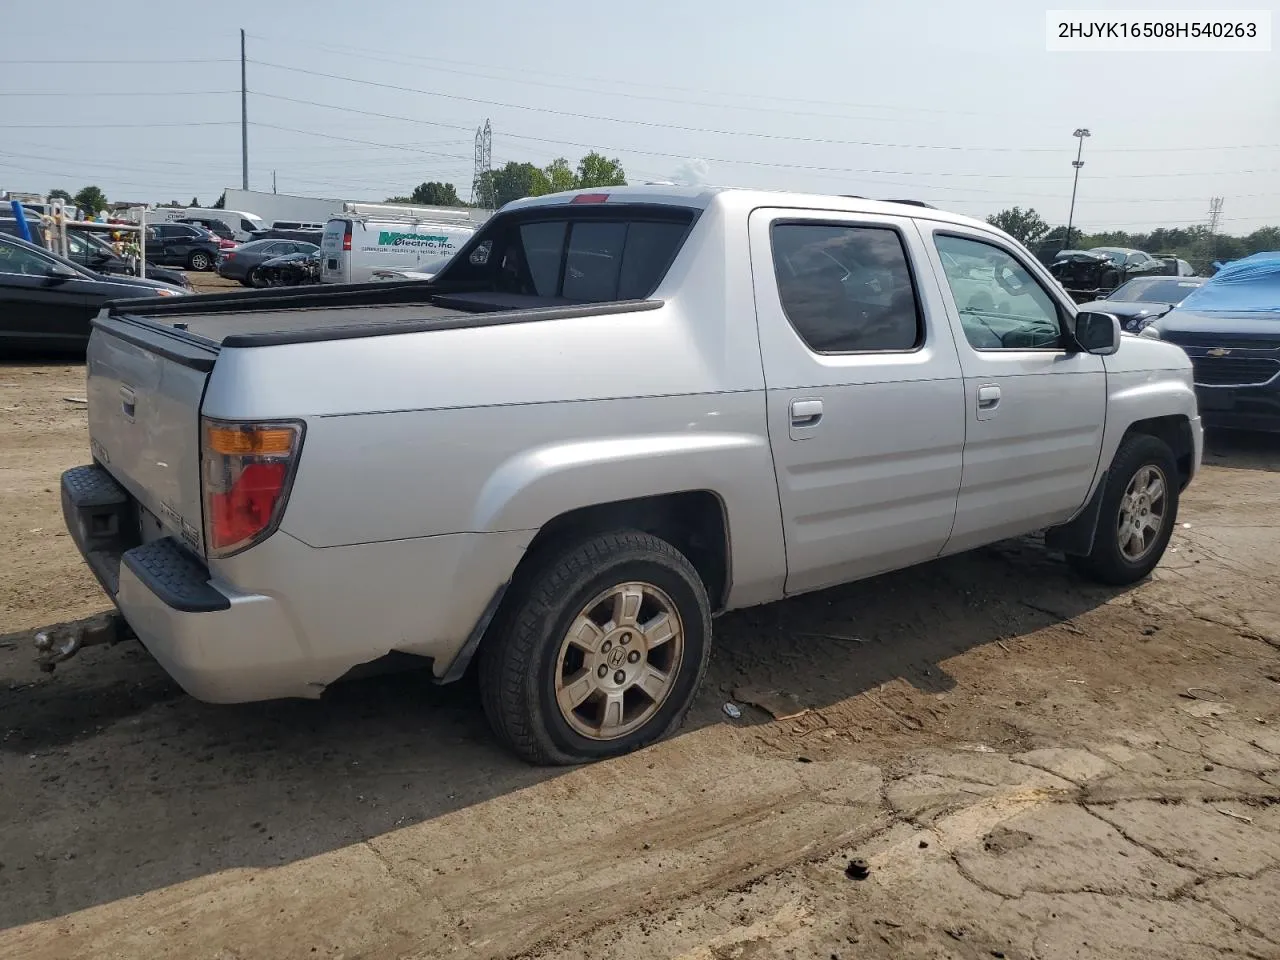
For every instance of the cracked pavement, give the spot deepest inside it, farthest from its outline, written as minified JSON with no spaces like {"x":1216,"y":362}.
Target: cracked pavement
{"x":1031,"y":766}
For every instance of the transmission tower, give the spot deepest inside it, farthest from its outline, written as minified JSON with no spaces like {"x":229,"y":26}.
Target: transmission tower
{"x":484,"y":159}
{"x":1215,"y":220}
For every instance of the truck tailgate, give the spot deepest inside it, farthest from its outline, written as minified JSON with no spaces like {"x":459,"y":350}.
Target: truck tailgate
{"x":145,"y":387}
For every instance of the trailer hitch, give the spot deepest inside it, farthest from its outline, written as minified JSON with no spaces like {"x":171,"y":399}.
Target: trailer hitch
{"x":64,"y":640}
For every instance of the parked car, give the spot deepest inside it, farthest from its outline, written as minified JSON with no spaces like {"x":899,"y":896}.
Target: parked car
{"x":214,"y":225}
{"x":1086,"y":276}
{"x":1142,"y":300}
{"x":241,"y":223}
{"x":182,"y":245}
{"x":93,"y":251}
{"x":1230,"y":328}
{"x":1130,"y":262}
{"x":612,"y":415}
{"x":47,"y":302}
{"x":302,"y":236}
{"x":354,"y":246}
{"x":291,"y":270}
{"x":243,"y":262}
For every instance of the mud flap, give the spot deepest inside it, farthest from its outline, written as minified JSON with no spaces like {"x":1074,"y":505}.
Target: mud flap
{"x":1076,"y":536}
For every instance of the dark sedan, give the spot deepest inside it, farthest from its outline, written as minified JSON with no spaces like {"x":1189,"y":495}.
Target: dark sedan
{"x":243,"y":262}
{"x":1142,"y":300}
{"x":1230,"y":328}
{"x":182,"y":245}
{"x":48,"y":302}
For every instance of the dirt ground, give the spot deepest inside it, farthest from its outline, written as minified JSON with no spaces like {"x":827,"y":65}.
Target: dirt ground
{"x":1030,"y":767}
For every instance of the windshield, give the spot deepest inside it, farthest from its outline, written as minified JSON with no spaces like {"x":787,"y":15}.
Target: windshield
{"x":1154,"y":290}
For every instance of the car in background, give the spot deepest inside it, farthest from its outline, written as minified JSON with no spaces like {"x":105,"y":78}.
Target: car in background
{"x":91,"y":250}
{"x":291,"y":270}
{"x":215,"y":226}
{"x":1230,"y":328}
{"x":182,"y":245}
{"x":354,"y":246}
{"x":47,"y":302}
{"x":243,"y":262}
{"x":1142,"y":300}
{"x":1130,"y":262}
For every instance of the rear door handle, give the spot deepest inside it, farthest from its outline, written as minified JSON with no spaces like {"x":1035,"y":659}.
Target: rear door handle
{"x":988,"y":400}
{"x":805,"y":413}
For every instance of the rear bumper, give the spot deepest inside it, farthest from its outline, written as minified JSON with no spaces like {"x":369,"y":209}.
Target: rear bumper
{"x":219,"y":645}
{"x":312,"y":615}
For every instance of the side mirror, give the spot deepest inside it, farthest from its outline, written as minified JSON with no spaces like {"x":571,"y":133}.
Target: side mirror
{"x":60,"y":271}
{"x":1098,"y":333}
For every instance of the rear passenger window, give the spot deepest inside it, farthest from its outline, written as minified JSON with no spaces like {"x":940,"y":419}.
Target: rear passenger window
{"x":846,"y":289}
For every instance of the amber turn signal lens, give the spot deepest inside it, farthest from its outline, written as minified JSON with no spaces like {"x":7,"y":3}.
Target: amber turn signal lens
{"x":249,"y":441}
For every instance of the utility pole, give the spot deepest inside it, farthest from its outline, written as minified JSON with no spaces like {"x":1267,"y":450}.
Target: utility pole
{"x":273,"y":181}
{"x":1080,"y":134}
{"x":244,"y":121}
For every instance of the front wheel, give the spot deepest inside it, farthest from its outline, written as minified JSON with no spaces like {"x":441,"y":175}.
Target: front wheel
{"x":200,"y":261}
{"x":599,"y":653}
{"x":1138,"y":511}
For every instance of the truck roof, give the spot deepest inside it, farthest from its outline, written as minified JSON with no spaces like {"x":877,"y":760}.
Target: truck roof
{"x":701,"y":197}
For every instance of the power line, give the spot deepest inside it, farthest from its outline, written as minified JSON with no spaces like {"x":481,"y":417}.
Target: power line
{"x":121,"y":63}
{"x":652,"y":123}
{"x":736,"y":133}
{"x":808,"y":168}
{"x":120,"y":93}
{"x":116,"y":126}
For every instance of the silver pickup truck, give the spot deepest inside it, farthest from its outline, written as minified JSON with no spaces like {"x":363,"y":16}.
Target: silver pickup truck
{"x":611,"y":417}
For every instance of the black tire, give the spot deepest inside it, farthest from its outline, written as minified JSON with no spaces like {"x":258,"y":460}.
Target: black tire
{"x":199,"y":260}
{"x":519,"y":660}
{"x":1106,"y":563}
{"x":253,"y":278}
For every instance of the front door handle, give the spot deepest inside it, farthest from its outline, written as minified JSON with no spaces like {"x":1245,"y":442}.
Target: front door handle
{"x":805,"y":413}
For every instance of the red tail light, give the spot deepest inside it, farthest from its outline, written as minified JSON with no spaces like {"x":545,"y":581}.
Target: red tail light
{"x":247,"y":472}
{"x":346,"y":238}
{"x":590,"y":198}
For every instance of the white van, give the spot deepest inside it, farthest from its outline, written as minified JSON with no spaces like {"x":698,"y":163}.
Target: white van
{"x":241,"y":224}
{"x":352,"y":247}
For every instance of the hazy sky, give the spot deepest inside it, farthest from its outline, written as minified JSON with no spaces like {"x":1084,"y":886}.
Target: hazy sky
{"x":955,"y":103}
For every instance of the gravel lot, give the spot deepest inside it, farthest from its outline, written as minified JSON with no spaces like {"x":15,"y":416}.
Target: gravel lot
{"x":1029,"y":765}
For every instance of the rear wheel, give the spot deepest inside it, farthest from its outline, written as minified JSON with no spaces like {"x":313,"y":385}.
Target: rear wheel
{"x":199,"y":260}
{"x":1138,"y":511}
{"x":599,"y":653}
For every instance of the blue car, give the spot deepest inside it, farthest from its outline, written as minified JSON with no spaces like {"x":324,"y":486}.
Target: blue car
{"x":1230,"y":328}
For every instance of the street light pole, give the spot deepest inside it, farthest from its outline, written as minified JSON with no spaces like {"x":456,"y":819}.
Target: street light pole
{"x":1080,"y":134}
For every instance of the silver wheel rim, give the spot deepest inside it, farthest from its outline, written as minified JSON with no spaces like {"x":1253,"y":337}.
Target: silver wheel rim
{"x":619,"y":660}
{"x":199,"y":261}
{"x":1142,"y":513}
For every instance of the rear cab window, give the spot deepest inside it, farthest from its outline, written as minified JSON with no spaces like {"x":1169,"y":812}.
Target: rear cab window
{"x":572,"y":254}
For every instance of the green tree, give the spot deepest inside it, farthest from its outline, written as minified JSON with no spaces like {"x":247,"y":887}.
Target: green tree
{"x":61,"y":195}
{"x":195,"y":202}
{"x":560,"y":175}
{"x":511,"y":182}
{"x":435,"y":194}
{"x":1025,"y":226}
{"x":91,"y":199}
{"x":595,"y":170}
{"x":221,"y":202}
